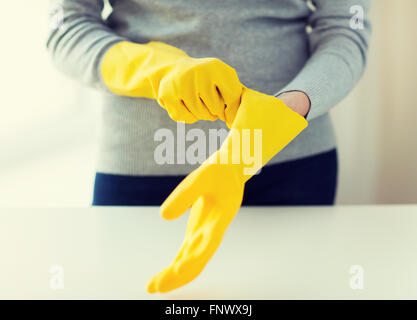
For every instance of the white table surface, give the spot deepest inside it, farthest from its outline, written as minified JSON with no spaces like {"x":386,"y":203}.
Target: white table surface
{"x":267,"y":253}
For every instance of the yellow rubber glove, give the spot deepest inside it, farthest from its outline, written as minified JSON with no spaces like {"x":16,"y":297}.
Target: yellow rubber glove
{"x":214,"y":191}
{"x":189,"y":89}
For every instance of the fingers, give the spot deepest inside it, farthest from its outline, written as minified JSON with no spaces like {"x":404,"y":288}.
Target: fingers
{"x":223,"y":100}
{"x":199,"y":109}
{"x":211,"y":99}
{"x":210,"y":116}
{"x":182,"y":101}
{"x":177,"y":110}
{"x":211,"y":92}
{"x":231,"y":94}
{"x":189,"y":109}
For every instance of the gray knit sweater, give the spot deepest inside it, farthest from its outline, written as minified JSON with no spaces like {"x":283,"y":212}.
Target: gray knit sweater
{"x":318,"y":47}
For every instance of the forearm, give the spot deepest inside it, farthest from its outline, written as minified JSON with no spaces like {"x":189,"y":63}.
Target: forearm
{"x":78,"y":44}
{"x":338,"y":56}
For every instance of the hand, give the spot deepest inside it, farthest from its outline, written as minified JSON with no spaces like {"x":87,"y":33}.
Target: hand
{"x":189,"y":89}
{"x":213,"y":207}
{"x":200,"y":89}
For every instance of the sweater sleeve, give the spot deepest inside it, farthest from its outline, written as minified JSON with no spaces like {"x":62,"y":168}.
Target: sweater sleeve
{"x":78,"y":38}
{"x":338,"y":40}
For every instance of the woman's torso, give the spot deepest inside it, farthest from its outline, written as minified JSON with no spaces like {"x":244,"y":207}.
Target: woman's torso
{"x":264,"y":40}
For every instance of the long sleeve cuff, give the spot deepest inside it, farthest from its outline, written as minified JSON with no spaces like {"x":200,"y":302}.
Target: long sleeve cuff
{"x":325,"y":79}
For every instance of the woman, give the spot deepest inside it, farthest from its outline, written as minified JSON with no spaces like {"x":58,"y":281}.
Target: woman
{"x":140,"y":57}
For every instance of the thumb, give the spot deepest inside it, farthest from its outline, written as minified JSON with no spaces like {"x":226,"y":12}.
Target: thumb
{"x":183,"y":197}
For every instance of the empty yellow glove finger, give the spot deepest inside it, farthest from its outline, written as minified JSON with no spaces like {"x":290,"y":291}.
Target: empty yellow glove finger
{"x":153,"y":283}
{"x":183,"y":196}
{"x":195,"y":255}
{"x":203,"y":236}
{"x":169,"y":280}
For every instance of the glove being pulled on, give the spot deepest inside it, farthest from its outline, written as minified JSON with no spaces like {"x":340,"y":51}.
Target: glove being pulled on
{"x":214,"y":191}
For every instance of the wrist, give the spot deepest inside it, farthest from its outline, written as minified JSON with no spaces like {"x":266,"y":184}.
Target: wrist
{"x":298,"y":101}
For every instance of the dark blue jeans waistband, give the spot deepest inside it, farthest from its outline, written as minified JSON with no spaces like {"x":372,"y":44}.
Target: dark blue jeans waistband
{"x":307,"y":181}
